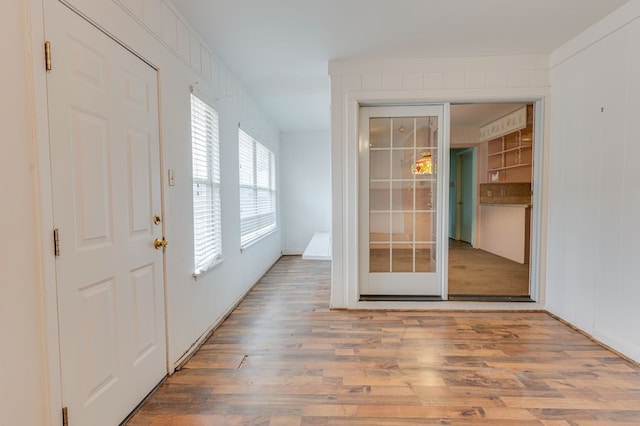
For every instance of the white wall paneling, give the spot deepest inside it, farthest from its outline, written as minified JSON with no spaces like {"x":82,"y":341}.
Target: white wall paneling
{"x":593,"y":199}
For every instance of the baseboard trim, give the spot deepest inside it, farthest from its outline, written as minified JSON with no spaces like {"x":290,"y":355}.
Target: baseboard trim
{"x":594,"y":339}
{"x":292,"y":252}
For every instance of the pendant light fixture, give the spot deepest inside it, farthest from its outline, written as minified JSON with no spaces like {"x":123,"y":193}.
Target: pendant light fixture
{"x":424,"y":165}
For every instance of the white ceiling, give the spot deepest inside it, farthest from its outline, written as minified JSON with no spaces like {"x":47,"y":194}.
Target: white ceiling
{"x":280,"y":49}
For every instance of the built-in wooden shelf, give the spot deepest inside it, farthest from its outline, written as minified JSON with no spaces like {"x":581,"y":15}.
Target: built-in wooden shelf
{"x":514,"y":166}
{"x":510,"y":152}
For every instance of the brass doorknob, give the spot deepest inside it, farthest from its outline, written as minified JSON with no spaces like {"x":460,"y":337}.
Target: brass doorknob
{"x":160,"y":243}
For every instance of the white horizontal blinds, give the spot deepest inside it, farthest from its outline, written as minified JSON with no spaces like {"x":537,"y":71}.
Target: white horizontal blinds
{"x":257,"y":190}
{"x":205,"y":140}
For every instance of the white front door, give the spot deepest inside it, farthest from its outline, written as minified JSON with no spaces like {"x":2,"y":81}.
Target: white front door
{"x":400,"y":201}
{"x":104,"y":140}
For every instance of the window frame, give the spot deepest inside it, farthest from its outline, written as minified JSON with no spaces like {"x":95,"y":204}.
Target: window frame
{"x":207,"y":220}
{"x":262,"y":186}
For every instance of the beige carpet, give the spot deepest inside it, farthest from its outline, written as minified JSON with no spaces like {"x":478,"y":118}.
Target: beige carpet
{"x":477,"y":272}
{"x":472,"y":272}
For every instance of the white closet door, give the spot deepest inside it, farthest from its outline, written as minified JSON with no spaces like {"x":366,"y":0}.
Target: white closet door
{"x":103,"y":114}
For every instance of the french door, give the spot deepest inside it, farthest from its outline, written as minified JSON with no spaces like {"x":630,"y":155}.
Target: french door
{"x":401,"y":201}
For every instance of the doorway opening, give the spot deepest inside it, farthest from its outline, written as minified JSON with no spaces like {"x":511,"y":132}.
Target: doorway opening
{"x":490,"y":201}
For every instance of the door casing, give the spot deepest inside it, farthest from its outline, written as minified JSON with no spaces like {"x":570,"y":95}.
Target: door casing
{"x":345,"y":274}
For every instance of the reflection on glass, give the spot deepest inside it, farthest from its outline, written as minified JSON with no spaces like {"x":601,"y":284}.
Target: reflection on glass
{"x":403,"y":132}
{"x":379,"y":259}
{"x":427,"y":132}
{"x":402,"y":258}
{"x":402,"y":219}
{"x":380,"y":133}
{"x":425,"y":257}
{"x":401,"y":196}
{"x":402,"y":163}
{"x":402,"y":226}
{"x":423,"y":165}
{"x":379,"y":227}
{"x":379,"y":164}
{"x":424,"y":196}
{"x":379,"y":196}
{"x":425,"y":229}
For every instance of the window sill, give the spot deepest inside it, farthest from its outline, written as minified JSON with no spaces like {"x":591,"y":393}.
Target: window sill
{"x":210,"y":267}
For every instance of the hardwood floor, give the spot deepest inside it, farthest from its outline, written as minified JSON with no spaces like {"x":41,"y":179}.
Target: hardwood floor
{"x":283,"y":358}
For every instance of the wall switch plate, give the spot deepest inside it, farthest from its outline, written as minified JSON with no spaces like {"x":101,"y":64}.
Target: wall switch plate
{"x":171,"y":177}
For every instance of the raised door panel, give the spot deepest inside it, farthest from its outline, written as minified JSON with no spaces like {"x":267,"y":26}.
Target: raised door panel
{"x":144,"y":295}
{"x":91,"y":174}
{"x":98,"y":326}
{"x":139,"y":185}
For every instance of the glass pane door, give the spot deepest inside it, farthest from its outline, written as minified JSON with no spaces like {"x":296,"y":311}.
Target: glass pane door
{"x":399,"y":210}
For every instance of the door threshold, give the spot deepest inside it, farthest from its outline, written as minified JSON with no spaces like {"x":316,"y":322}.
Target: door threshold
{"x":488,"y":298}
{"x":398,"y":298}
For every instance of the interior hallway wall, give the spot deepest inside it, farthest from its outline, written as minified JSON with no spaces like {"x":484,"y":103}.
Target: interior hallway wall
{"x":23,"y":358}
{"x":306,"y":187}
{"x":594,"y":202}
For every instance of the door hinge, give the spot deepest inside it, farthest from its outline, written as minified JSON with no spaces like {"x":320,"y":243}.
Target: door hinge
{"x":65,"y":416}
{"x":56,"y":242}
{"x":47,"y":55}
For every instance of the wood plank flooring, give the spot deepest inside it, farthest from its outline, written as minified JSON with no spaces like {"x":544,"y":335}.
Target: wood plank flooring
{"x":283,"y":358}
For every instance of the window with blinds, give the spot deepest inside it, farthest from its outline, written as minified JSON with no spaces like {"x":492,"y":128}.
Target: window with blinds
{"x":205,"y":149}
{"x":257,"y":190}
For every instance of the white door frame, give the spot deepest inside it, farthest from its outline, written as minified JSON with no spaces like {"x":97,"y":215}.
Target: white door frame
{"x":348,"y":289}
{"x":36,"y":10}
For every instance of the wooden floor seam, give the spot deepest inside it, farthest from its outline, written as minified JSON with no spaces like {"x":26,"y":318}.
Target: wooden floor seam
{"x":283,"y":358}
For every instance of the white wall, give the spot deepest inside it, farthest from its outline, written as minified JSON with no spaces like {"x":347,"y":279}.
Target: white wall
{"x":483,"y":79}
{"x":23,"y":359}
{"x":464,"y":136}
{"x":593,"y":273}
{"x":157,"y":33}
{"x":305,"y":187}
